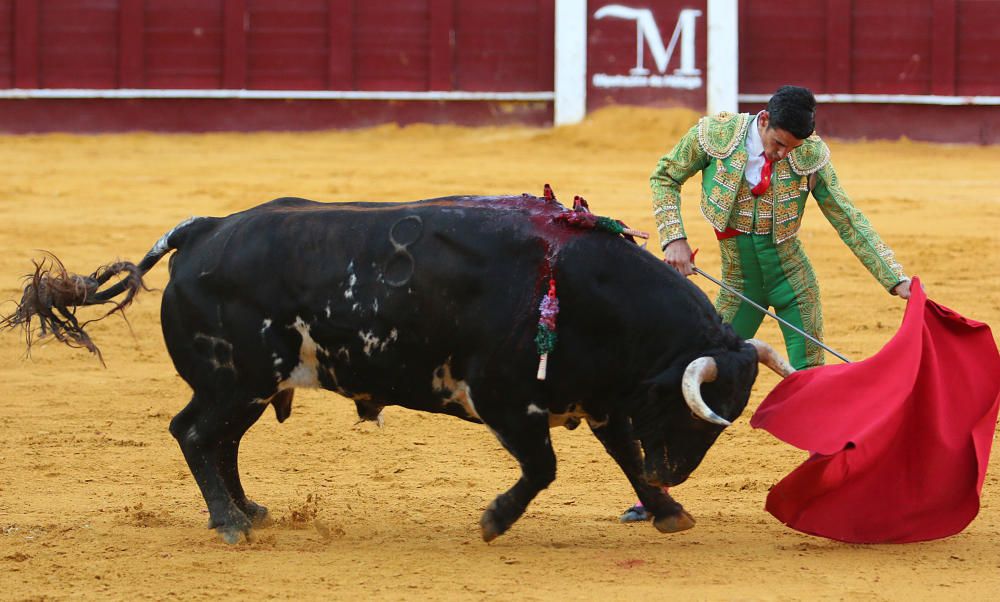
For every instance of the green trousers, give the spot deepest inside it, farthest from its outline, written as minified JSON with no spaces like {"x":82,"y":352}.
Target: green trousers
{"x":778,"y":277}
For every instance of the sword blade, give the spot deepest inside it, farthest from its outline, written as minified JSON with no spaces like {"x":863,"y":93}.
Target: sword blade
{"x":768,"y":312}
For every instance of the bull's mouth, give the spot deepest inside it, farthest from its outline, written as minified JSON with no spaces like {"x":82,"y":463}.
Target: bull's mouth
{"x":657,"y":470}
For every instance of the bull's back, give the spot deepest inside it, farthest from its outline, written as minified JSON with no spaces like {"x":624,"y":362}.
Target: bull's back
{"x":443,"y":253}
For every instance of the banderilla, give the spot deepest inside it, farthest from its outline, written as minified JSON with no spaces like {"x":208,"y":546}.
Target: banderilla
{"x":767,"y":312}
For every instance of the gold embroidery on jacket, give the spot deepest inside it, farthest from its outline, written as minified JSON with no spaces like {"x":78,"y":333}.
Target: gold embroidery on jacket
{"x":719,"y":135}
{"x":812,"y":156}
{"x":730,"y":180}
{"x":742,"y":218}
{"x":676,"y":167}
{"x":782,"y":170}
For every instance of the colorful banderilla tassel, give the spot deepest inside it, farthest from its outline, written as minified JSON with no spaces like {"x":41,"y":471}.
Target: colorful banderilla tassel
{"x":616,"y":227}
{"x":586,"y":220}
{"x":545,"y":340}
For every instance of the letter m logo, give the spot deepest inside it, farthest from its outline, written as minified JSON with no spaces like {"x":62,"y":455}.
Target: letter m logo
{"x":646,"y":32}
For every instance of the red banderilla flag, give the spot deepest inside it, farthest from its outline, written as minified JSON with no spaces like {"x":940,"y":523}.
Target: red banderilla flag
{"x":899,"y":441}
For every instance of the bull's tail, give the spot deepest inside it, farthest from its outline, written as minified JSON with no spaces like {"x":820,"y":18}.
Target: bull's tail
{"x":52,"y":294}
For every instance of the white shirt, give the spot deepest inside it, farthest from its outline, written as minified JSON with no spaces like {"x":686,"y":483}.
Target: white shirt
{"x":755,"y":154}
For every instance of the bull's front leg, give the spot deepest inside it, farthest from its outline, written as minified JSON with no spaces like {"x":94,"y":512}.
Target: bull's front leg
{"x":616,"y":436}
{"x":526,"y":437}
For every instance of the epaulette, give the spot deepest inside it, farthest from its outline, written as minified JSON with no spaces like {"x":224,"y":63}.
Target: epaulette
{"x":810,"y":157}
{"x":720,"y":134}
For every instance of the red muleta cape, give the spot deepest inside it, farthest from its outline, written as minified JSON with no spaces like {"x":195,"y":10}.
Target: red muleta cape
{"x":899,"y":441}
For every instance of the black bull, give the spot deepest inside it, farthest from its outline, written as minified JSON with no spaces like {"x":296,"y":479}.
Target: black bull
{"x":433,"y":306}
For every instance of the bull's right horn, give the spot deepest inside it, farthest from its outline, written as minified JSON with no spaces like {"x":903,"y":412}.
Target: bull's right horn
{"x":771,"y":358}
{"x":701,"y":370}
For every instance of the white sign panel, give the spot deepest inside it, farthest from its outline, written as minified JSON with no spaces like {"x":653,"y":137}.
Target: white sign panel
{"x":685,"y":77}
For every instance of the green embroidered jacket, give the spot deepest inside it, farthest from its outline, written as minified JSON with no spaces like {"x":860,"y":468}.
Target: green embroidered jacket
{"x":716,"y":146}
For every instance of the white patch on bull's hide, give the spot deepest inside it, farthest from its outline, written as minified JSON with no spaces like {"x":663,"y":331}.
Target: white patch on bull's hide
{"x":192,"y":434}
{"x":533,"y":409}
{"x":458,"y":391}
{"x":277,"y":360}
{"x":328,"y":309}
{"x":356,"y":307}
{"x":267,"y":324}
{"x":305,"y":373}
{"x":352,"y":279}
{"x":370,"y":341}
{"x":344,"y":354}
{"x":373,"y":343}
{"x":162,"y":245}
{"x":375,"y":306}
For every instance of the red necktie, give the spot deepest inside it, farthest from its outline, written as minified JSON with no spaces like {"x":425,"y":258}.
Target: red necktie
{"x":765,"y":179}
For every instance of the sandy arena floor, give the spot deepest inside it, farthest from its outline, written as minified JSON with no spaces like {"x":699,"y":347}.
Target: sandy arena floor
{"x":97,"y":502}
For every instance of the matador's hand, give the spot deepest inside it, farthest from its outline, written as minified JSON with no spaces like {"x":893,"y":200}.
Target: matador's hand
{"x":902,"y":289}
{"x":678,"y":255}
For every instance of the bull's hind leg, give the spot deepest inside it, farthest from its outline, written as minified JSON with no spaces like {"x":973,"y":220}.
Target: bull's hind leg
{"x":668,"y":515}
{"x":526,"y":437}
{"x":229,"y":468}
{"x":209,"y":431}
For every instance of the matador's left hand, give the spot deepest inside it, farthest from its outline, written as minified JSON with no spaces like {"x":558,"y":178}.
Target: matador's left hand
{"x":903,"y":289}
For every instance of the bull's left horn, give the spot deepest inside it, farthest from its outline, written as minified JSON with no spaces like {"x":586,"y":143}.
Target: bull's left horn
{"x":771,"y":358}
{"x":701,"y":370}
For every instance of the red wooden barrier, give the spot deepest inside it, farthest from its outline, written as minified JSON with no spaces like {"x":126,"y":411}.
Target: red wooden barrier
{"x":922,"y":48}
{"x":639,"y":52}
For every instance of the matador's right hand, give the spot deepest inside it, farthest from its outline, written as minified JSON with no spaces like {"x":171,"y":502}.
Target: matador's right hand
{"x":678,"y":254}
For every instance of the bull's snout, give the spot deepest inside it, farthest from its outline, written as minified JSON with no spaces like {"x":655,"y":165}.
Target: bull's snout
{"x":658,"y":471}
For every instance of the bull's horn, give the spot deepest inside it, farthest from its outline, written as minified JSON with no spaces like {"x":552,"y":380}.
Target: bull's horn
{"x":771,"y":358}
{"x":701,"y":370}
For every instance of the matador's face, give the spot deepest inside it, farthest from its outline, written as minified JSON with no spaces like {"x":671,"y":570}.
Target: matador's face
{"x":777,"y":142}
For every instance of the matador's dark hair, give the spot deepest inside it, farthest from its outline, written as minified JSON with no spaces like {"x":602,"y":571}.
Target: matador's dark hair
{"x":793,"y":109}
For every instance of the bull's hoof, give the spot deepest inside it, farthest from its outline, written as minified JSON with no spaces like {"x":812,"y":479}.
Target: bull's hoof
{"x":497,"y":518}
{"x":682,"y":521}
{"x":490,"y":526}
{"x":232,"y":535}
{"x":233,"y":526}
{"x":258,"y":515}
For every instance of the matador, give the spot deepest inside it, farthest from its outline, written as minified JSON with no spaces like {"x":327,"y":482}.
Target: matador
{"x":757,"y":173}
